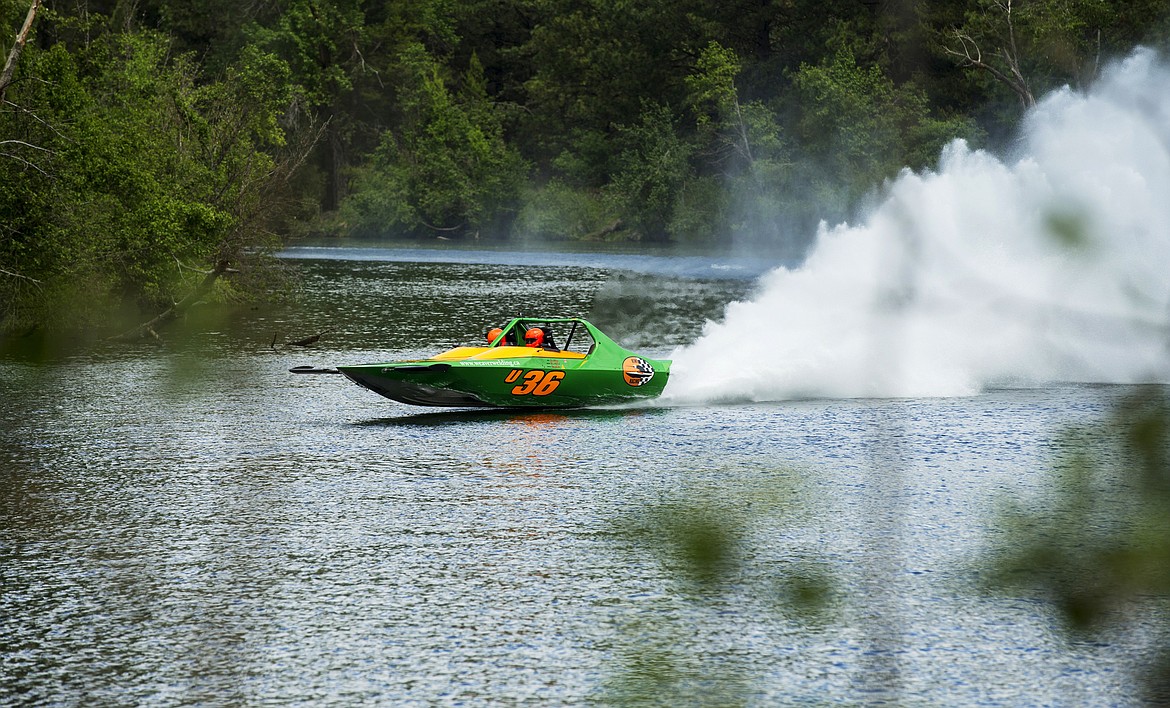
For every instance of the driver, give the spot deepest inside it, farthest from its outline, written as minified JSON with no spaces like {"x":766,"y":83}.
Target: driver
{"x":534,"y":337}
{"x":494,"y":334}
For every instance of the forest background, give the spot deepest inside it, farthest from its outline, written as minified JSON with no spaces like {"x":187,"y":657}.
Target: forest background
{"x":149,"y":147}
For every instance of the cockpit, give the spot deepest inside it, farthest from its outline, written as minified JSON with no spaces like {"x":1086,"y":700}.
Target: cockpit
{"x":548,"y":335}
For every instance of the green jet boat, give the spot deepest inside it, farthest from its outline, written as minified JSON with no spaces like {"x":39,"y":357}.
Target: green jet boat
{"x":526,"y":364}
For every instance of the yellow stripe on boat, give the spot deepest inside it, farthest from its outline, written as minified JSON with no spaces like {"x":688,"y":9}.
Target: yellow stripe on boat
{"x":508,"y":352}
{"x":505,"y":352}
{"x":458,"y":353}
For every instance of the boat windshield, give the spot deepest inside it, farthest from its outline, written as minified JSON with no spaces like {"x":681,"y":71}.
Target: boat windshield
{"x":557,"y":335}
{"x":578,"y":339}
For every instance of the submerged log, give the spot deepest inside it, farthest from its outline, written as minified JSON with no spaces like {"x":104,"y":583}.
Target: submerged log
{"x":148,"y":329}
{"x":306,"y":342}
{"x":604,"y":232}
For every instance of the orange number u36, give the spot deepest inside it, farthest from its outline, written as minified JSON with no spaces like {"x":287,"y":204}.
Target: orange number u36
{"x":537,"y":383}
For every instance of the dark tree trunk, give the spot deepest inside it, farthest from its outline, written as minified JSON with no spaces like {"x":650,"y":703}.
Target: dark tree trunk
{"x":149,"y":328}
{"x":334,"y":168}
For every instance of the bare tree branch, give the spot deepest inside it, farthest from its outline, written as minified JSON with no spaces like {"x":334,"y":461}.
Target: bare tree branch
{"x":18,"y":275}
{"x":27,"y":145}
{"x":17,"y":48}
{"x":25,"y":162}
{"x":148,"y":328}
{"x":1012,"y":76}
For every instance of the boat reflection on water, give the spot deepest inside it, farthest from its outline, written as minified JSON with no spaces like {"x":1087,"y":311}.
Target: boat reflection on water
{"x":532,"y":419}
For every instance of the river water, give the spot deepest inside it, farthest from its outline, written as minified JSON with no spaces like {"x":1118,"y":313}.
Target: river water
{"x":187,"y":523}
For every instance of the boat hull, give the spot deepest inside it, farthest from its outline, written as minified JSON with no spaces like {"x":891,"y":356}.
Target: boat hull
{"x":531,"y":382}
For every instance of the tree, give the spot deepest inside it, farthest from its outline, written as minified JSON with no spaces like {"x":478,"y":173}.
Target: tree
{"x":446,"y":170}
{"x":732,"y":131}
{"x":17,"y":48}
{"x":322,"y":42}
{"x":864,"y":128}
{"x":1031,"y":46}
{"x":150,"y":175}
{"x":595,"y":65}
{"x":652,"y":165}
{"x":744,"y":145}
{"x":1004,"y":62}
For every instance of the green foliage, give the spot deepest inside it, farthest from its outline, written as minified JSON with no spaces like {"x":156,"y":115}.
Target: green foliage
{"x":448,"y":168}
{"x":734,"y":135}
{"x":141,"y":173}
{"x":863,"y":128}
{"x":162,"y":133}
{"x":701,"y":208}
{"x":557,"y":211}
{"x":1024,"y":48}
{"x":744,"y":143}
{"x":651,"y":167}
{"x":595,"y":62}
{"x":711,"y":88}
{"x":315,"y":39}
{"x":1111,"y":493}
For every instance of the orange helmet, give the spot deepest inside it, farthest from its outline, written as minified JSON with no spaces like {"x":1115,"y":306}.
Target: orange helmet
{"x":494,"y":334}
{"x":534,"y":337}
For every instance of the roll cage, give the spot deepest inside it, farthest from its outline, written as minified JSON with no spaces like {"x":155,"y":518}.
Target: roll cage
{"x":579,"y":335}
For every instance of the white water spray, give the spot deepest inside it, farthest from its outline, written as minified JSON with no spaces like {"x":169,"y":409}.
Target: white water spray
{"x":1054,"y":267}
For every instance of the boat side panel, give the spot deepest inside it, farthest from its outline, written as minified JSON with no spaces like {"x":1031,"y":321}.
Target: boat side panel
{"x":520,"y":383}
{"x":555,"y":383}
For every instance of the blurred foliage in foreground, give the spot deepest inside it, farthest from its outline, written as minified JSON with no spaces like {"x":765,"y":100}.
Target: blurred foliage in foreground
{"x":1098,"y":547}
{"x":1095,"y":547}
{"x":708,"y":542}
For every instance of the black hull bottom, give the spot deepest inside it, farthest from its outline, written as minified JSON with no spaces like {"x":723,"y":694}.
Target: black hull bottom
{"x":417,"y":394}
